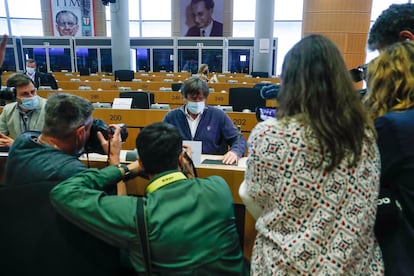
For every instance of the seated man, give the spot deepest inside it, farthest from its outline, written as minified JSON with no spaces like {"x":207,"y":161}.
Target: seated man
{"x":190,"y":221}
{"x":27,"y":113}
{"x":52,"y":155}
{"x":197,"y":121}
{"x":39,"y":78}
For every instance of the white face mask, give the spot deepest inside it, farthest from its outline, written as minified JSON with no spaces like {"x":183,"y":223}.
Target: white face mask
{"x":30,"y":70}
{"x":195,"y":107}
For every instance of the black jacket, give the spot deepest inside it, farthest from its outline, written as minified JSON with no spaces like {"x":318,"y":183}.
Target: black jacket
{"x":217,"y":30}
{"x":44,"y":79}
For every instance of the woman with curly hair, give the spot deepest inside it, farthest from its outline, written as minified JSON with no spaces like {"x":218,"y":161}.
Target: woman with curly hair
{"x":390,"y":83}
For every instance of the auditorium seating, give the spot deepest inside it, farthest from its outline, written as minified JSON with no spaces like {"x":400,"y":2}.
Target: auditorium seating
{"x":242,"y":98}
{"x":124,"y":75}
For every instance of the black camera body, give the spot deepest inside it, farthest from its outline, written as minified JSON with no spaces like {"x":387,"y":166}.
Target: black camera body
{"x":7,"y":94}
{"x":93,"y":144}
{"x":359,"y":73}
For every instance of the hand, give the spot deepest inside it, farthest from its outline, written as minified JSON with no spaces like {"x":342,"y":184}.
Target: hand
{"x":3,"y":44}
{"x":135,"y":168}
{"x":187,"y":149}
{"x":230,"y":158}
{"x":114,"y":144}
{"x":186,"y":166}
{"x":5,"y":141}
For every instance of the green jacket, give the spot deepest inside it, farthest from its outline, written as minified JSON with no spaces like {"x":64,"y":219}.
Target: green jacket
{"x":191,"y":224}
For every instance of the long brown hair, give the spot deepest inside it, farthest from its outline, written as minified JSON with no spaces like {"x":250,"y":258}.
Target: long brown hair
{"x":390,"y":80}
{"x":317,"y":87}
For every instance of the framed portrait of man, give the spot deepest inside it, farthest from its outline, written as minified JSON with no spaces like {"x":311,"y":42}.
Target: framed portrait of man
{"x":202,"y":18}
{"x":72,"y":18}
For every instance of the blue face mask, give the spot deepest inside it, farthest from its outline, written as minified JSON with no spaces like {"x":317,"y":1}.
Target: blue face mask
{"x":195,"y":107}
{"x":30,"y":70}
{"x":30,"y":103}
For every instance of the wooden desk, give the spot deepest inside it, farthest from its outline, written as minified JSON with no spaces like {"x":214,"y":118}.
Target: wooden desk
{"x":136,"y":119}
{"x":233,"y":175}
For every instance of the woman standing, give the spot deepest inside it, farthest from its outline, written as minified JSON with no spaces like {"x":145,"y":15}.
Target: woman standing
{"x":313,"y":173}
{"x":390,"y":83}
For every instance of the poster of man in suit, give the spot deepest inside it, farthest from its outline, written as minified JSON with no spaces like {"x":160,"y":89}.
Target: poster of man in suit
{"x":202,"y":18}
{"x":72,"y":17}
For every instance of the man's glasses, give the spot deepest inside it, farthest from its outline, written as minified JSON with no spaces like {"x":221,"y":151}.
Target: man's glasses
{"x":63,"y":24}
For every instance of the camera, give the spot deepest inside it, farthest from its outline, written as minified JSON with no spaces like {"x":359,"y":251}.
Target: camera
{"x":264,"y":113}
{"x":93,"y":144}
{"x":7,"y":93}
{"x":359,"y":73}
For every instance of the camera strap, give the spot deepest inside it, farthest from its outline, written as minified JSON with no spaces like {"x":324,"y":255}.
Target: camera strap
{"x":164,"y":180}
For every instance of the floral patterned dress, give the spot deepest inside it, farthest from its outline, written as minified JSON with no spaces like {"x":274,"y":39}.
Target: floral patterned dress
{"x":313,"y":222}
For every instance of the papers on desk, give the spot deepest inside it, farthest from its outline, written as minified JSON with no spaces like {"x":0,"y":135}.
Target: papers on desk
{"x":216,"y":162}
{"x":195,"y":150}
{"x":122,"y":103}
{"x":129,"y":155}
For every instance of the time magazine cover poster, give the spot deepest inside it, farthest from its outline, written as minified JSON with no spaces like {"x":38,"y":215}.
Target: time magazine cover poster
{"x":72,"y":17}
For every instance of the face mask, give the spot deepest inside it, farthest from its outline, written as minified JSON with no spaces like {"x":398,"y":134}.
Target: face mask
{"x":195,"y":107}
{"x":30,"y":103}
{"x":30,"y":70}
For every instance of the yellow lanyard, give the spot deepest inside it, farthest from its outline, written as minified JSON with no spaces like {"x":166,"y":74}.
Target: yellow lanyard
{"x":164,"y":180}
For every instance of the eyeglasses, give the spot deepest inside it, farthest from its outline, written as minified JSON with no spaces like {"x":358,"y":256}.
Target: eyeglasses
{"x":63,"y":24}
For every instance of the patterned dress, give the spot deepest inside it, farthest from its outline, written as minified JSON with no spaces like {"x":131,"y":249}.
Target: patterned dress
{"x":313,"y":222}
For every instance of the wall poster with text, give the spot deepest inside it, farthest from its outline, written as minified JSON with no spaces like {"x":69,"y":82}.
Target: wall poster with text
{"x":72,"y":17}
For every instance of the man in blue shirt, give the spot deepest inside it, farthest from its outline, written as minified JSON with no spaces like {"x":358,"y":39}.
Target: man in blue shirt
{"x":199,"y":122}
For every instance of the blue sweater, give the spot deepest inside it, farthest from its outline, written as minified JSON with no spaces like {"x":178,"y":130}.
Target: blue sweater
{"x":215,"y":130}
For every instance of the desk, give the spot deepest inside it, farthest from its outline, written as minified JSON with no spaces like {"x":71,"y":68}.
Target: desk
{"x":233,"y":175}
{"x":136,"y":119}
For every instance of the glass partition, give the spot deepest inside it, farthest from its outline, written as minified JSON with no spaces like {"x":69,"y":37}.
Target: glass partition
{"x":188,"y":60}
{"x":143,"y":59}
{"x":213,"y":58}
{"x":38,"y":54}
{"x":87,"y":59}
{"x":163,"y":60}
{"x":106,"y":60}
{"x":239,"y":60}
{"x":60,"y":59}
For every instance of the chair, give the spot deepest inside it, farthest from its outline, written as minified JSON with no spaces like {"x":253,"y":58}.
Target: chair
{"x":176,"y":86}
{"x":124,"y":75}
{"x":260,"y":74}
{"x":140,"y":100}
{"x":36,"y":240}
{"x":83,"y":71}
{"x":245,"y":98}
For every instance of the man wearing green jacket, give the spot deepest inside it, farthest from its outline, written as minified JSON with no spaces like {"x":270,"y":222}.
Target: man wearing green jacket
{"x":190,"y":221}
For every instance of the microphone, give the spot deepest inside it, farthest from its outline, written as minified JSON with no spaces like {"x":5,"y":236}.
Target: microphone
{"x":270,"y":91}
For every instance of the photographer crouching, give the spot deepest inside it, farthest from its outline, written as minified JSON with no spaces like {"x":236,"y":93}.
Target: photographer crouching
{"x":52,"y":155}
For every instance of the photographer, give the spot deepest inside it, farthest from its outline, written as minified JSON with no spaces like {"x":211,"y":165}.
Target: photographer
{"x":27,"y":113}
{"x":190,"y":221}
{"x":52,"y":155}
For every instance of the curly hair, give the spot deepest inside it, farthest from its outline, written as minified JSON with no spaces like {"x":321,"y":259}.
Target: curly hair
{"x":386,"y":29}
{"x":390,"y":80}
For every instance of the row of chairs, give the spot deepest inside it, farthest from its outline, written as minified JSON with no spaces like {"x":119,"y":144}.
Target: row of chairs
{"x":128,"y":75}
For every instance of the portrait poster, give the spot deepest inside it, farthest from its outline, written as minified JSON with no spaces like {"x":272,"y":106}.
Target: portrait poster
{"x":72,"y":17}
{"x":201,"y":20}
